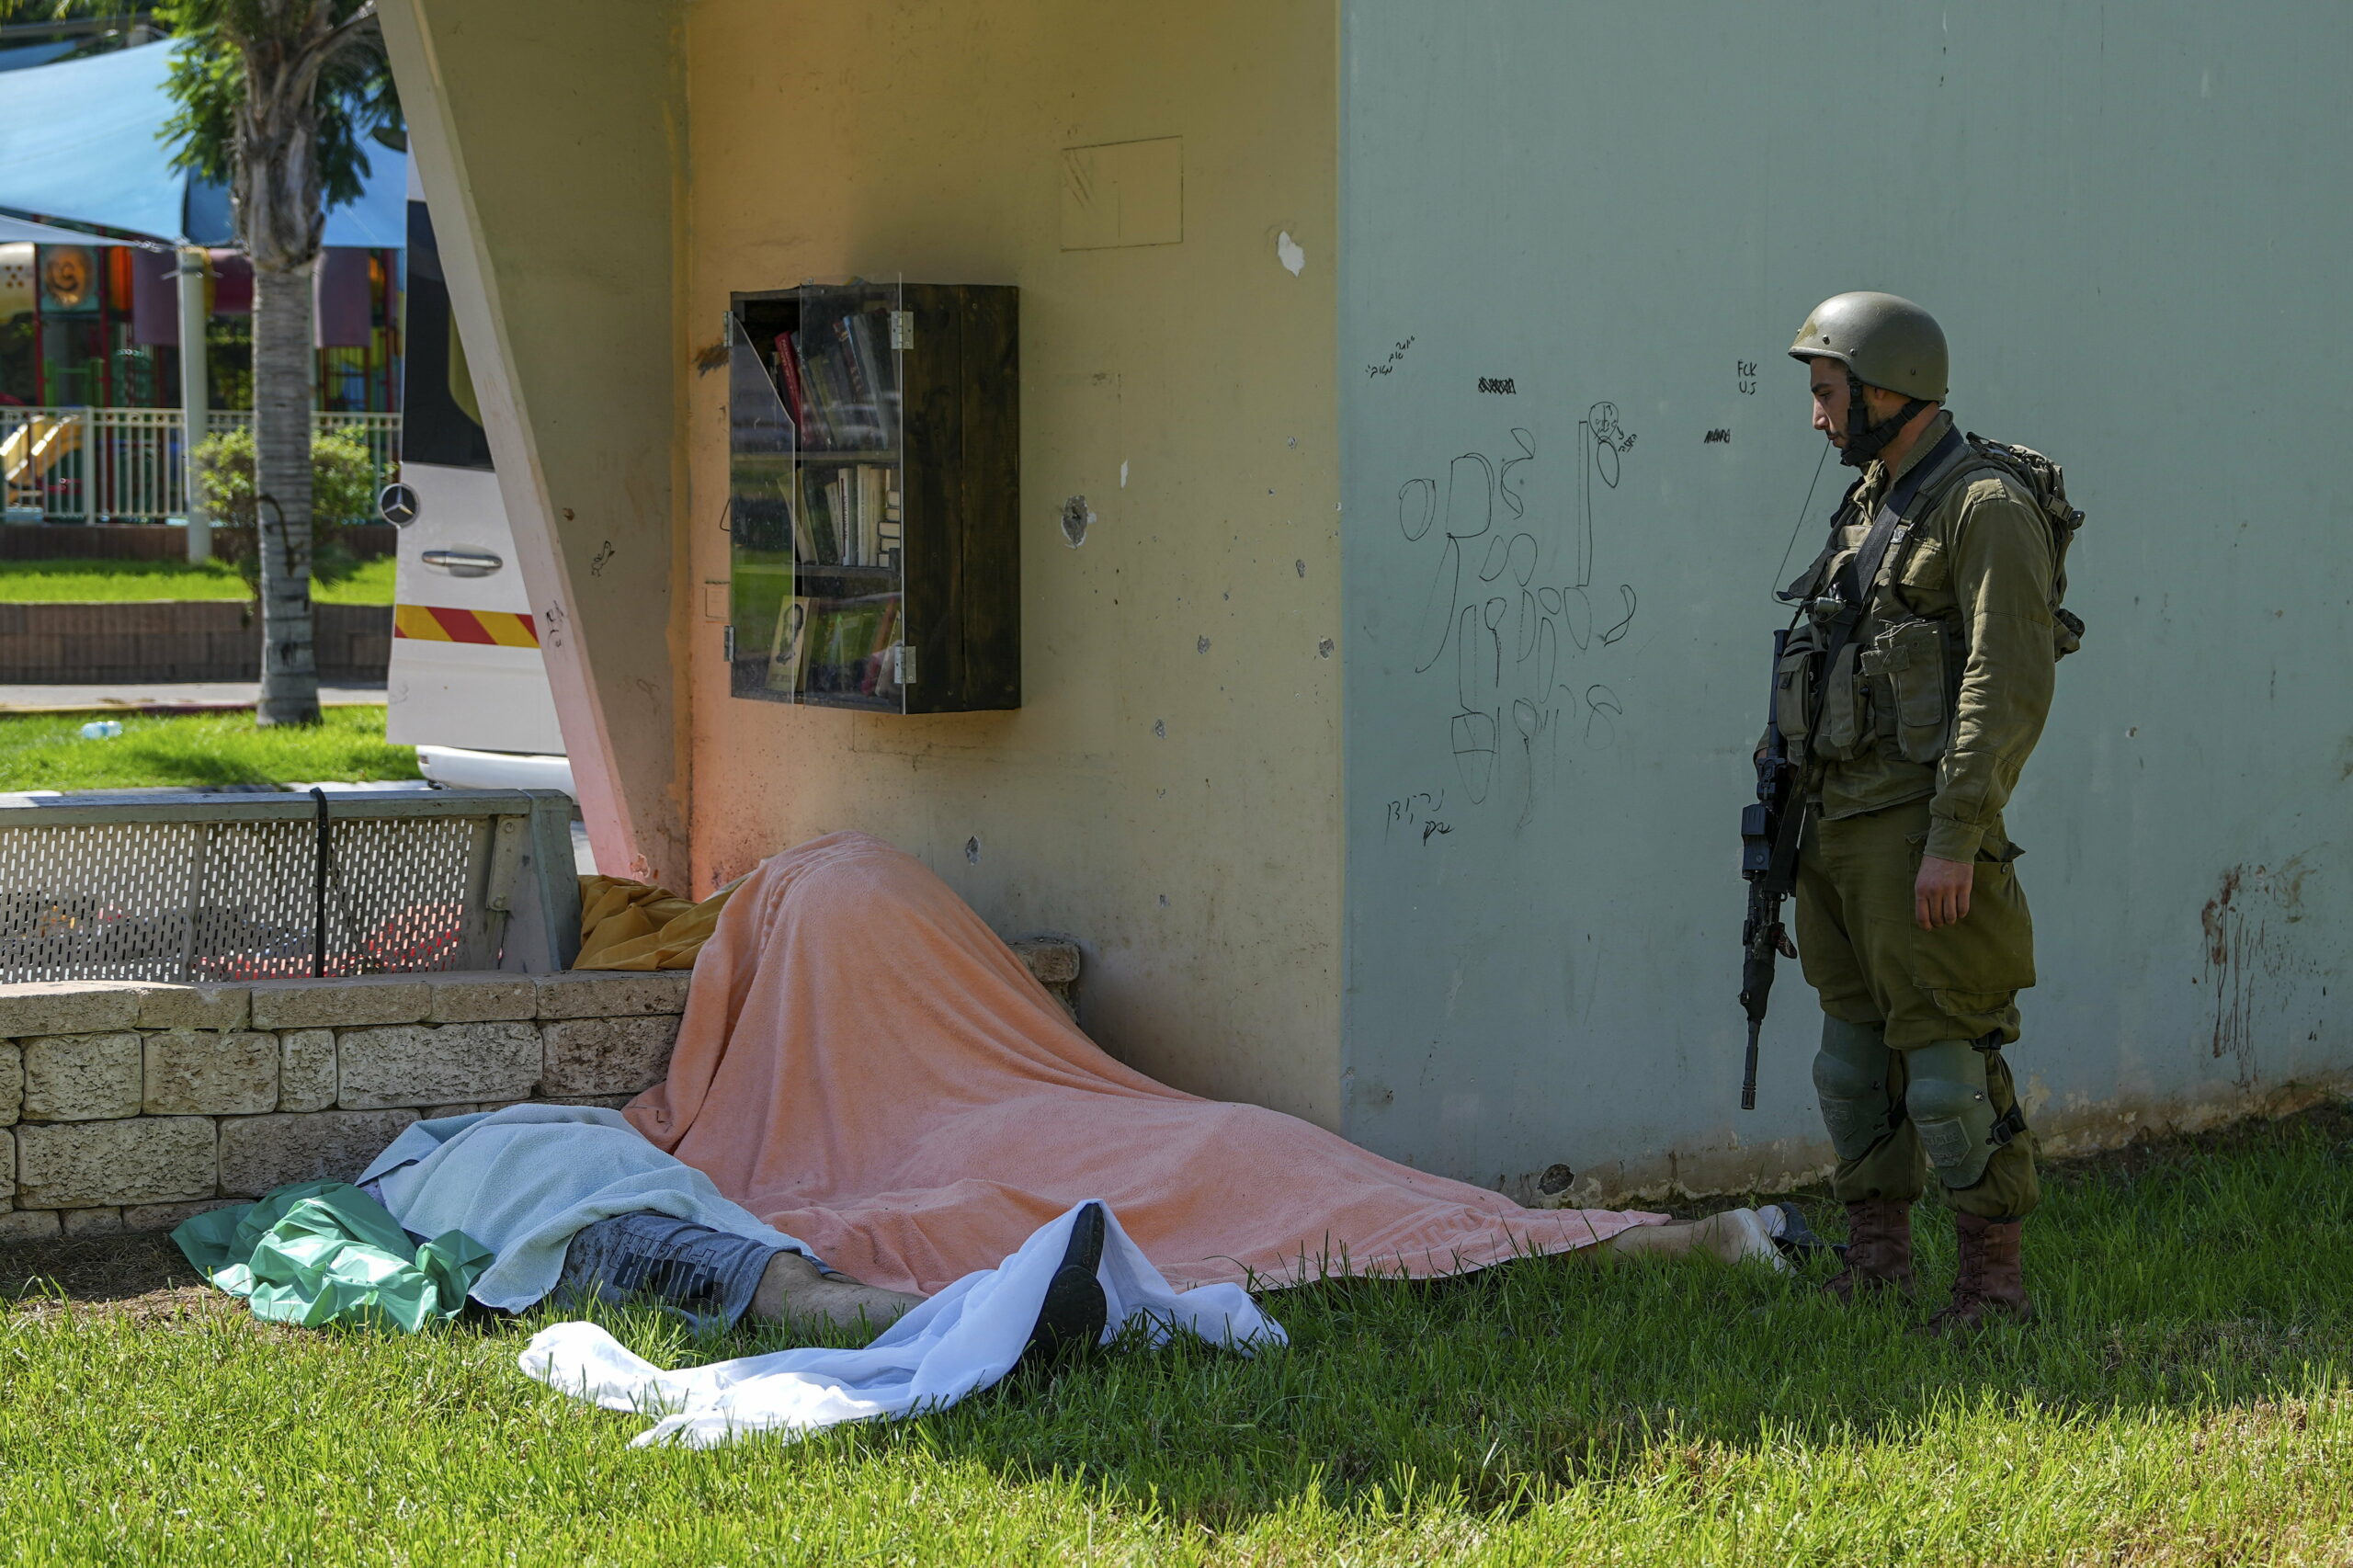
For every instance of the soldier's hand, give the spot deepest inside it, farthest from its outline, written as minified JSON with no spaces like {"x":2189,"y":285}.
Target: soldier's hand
{"x":1940,"y":896}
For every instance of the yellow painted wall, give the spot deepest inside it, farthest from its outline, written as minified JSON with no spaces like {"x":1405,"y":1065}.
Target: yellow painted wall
{"x":1169,"y":793}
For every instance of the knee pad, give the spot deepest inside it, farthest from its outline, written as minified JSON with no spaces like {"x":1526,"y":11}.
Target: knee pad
{"x":1951,"y":1110}
{"x":1850,"y":1078}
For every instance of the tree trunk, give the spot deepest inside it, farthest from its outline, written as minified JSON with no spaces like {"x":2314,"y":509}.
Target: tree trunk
{"x":282,"y":336}
{"x":276,"y":189}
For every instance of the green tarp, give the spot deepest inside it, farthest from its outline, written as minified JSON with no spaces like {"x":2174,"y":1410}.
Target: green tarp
{"x":321,"y":1252}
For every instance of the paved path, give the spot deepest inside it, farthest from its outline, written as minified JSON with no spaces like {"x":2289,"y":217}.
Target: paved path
{"x":134,"y":696}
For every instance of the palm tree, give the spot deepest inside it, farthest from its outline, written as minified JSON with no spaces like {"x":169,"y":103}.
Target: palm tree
{"x":274,"y":98}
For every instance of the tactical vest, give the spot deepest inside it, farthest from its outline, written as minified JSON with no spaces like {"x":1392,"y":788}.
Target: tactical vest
{"x":1893,"y":674}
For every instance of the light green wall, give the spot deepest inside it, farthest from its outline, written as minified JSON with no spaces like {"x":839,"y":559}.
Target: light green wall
{"x":2132,"y":224}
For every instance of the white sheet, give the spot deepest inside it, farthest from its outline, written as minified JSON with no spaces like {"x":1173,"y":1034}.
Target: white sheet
{"x":964,"y":1338}
{"x":523,"y":1181}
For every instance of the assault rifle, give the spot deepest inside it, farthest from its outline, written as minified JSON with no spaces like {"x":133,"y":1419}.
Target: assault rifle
{"x":1768,"y":860}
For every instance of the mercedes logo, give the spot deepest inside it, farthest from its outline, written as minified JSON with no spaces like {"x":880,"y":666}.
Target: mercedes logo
{"x":396,"y":504}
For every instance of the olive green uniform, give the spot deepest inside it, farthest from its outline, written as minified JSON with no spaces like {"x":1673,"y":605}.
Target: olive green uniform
{"x":1919,"y":739}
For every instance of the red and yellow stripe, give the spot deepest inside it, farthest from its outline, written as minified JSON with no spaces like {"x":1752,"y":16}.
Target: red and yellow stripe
{"x":492,"y":628}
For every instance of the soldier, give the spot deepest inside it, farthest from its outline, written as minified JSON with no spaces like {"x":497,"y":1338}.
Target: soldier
{"x":1913,"y":691}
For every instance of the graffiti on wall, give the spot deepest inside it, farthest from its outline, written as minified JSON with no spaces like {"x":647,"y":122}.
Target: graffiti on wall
{"x":1512,"y":619}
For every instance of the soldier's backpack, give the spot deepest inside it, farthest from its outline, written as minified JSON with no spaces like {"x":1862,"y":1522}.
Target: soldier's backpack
{"x":2047,"y":484}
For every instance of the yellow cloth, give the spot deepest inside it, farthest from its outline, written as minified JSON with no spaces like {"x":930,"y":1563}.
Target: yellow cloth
{"x":627,"y":925}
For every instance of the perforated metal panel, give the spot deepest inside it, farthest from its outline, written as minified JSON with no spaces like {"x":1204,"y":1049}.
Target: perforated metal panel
{"x":100,"y":902}
{"x":229,"y":887}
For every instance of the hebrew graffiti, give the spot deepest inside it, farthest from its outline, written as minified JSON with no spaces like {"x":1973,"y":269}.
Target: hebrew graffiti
{"x":1511,"y":605}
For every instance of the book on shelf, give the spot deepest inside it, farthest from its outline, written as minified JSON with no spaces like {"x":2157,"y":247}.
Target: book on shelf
{"x":843,"y":422}
{"x":845,"y":489}
{"x":879,"y":675}
{"x":849,"y":642}
{"x":871,"y":486}
{"x":816,"y":432}
{"x":838,"y":385}
{"x":789,"y":650}
{"x":863,"y":351}
{"x":788,"y":377}
{"x":804,"y":543}
{"x":850,"y":515}
{"x":823,"y":545}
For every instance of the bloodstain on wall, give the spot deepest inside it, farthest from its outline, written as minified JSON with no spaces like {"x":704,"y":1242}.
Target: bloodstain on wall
{"x":2248,"y":954}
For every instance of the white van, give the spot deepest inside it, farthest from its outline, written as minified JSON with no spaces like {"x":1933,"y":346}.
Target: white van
{"x":468,"y":686}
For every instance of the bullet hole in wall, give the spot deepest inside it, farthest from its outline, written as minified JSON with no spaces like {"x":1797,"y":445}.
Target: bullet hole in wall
{"x":1201,"y":644}
{"x":1077,"y":518}
{"x":1160,"y":728}
{"x":972,"y":850}
{"x":1300,"y":567}
{"x":1323,"y":649}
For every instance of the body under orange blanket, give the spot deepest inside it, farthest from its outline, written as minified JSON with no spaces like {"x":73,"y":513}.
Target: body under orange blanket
{"x":866,"y":1067}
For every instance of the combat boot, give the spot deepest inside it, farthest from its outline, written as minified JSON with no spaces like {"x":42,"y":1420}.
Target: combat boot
{"x":1879,"y":1250}
{"x":1991,"y":1281}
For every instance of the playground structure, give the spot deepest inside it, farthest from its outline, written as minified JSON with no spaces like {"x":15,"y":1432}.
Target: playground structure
{"x":95,"y":465}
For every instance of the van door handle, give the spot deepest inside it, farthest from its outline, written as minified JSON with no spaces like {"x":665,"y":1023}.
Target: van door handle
{"x":463,"y":563}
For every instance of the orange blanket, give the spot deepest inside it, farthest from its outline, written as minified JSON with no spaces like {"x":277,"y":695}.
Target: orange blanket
{"x":866,"y":1067}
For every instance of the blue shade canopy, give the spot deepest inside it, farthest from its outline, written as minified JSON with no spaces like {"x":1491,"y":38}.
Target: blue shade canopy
{"x":17,"y":230}
{"x":80,"y":143}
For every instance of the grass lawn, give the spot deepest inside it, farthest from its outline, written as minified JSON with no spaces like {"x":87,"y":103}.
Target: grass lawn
{"x":43,"y":751}
{"x":54,"y":581}
{"x":2183,"y":1400}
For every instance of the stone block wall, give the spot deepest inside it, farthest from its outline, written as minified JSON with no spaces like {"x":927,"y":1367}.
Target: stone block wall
{"x":128,"y":1105}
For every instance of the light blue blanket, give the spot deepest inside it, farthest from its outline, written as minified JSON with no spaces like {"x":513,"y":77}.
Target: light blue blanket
{"x":523,"y":1181}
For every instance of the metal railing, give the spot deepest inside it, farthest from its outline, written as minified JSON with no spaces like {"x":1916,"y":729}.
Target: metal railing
{"x":95,"y":465}
{"x":187,"y":888}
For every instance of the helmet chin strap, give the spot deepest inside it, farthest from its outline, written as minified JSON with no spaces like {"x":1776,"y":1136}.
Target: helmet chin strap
{"x":1864,"y":439}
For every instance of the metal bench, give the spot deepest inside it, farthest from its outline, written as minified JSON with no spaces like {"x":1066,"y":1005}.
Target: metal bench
{"x":172,"y":886}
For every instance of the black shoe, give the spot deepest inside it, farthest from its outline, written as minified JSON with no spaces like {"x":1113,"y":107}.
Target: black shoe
{"x":1797,"y":1240}
{"x":1073,"y":1314}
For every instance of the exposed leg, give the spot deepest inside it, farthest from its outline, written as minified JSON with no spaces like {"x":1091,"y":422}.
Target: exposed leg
{"x":795,"y":1290}
{"x":1732,"y":1237}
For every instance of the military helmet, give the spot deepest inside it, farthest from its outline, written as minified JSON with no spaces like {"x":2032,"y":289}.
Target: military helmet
{"x":1885,"y":341}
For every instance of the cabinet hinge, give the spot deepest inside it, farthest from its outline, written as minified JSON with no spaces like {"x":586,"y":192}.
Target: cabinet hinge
{"x":903,"y":329}
{"x":903,"y":664}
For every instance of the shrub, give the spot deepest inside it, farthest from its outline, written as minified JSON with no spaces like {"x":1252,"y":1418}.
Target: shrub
{"x":343,"y":490}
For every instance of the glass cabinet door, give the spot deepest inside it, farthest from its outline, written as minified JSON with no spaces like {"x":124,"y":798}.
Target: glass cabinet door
{"x":760,"y":488}
{"x":842,"y":370}
{"x":819,"y":592}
